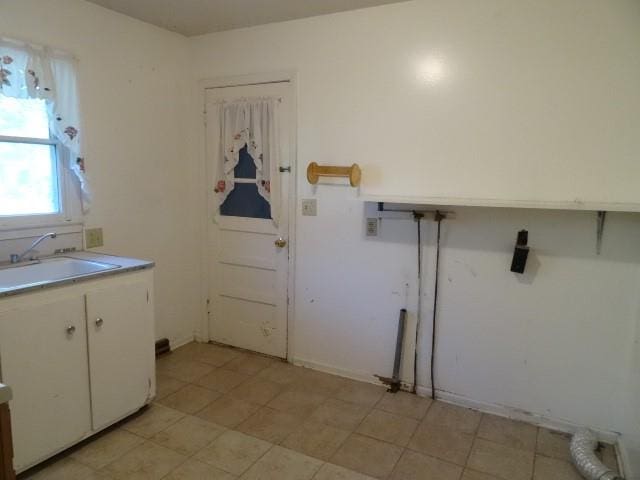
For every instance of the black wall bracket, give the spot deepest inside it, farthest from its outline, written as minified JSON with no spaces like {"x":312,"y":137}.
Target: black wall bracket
{"x":520,"y":253}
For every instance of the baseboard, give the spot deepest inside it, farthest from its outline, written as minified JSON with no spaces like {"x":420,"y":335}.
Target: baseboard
{"x":200,"y":338}
{"x":630,"y":460}
{"x":485,"y":407}
{"x":177,"y":343}
{"x":353,"y":375}
{"x":516,"y":414}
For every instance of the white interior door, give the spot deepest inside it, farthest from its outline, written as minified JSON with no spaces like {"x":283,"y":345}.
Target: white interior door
{"x":248,"y":253}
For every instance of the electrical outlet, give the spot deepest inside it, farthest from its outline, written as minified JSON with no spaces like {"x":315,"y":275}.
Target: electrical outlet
{"x":309,"y":207}
{"x":93,"y":237}
{"x":372,"y":227}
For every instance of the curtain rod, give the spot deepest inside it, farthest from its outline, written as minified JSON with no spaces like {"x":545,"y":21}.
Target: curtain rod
{"x":21,"y":42}
{"x":244,"y":99}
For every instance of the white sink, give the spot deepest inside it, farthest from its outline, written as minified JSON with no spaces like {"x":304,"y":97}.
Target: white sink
{"x":49,"y":270}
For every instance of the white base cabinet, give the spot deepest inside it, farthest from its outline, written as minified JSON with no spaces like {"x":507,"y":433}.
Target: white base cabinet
{"x":78,"y":359}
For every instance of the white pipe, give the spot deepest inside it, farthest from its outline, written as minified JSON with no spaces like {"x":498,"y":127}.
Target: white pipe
{"x":582,"y":448}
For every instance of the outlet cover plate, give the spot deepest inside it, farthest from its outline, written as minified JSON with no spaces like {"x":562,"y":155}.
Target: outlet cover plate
{"x":372,"y":227}
{"x":93,"y":237}
{"x":309,"y":207}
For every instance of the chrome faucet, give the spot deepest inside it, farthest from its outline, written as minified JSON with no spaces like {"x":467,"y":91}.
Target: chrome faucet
{"x":16,"y":258}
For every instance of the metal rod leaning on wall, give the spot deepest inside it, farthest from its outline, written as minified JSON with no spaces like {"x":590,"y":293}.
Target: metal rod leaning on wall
{"x":394,"y":382}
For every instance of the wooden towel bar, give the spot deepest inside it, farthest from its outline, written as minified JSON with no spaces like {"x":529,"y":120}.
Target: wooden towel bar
{"x":315,"y":171}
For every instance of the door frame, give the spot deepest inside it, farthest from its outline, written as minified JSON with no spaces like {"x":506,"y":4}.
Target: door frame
{"x":202,"y":332}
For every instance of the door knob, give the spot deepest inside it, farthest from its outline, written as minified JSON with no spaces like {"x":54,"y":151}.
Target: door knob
{"x":99,"y":322}
{"x":281,"y":242}
{"x":71,"y":329}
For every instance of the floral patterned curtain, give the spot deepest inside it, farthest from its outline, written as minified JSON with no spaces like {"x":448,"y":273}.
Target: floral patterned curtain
{"x":250,"y":122}
{"x":30,"y":71}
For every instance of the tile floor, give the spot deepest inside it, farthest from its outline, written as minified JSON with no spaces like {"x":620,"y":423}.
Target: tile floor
{"x":223,"y":414}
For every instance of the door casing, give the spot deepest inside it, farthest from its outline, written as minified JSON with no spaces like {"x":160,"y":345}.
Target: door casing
{"x":202,"y":333}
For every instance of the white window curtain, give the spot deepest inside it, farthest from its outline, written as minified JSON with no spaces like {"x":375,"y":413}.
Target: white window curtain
{"x":32,"y":71}
{"x":252,"y":122}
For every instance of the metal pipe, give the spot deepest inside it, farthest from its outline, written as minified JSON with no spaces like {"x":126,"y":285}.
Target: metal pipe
{"x":582,"y":448}
{"x":398,"y":358}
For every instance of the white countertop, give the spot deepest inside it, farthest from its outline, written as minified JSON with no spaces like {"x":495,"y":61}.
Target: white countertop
{"x":5,"y":393}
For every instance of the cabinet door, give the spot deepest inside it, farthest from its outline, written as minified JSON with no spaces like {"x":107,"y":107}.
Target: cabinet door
{"x":121,"y":350}
{"x":43,"y":357}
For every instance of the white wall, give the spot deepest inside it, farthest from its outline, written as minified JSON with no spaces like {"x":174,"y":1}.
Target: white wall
{"x":493,"y":100}
{"x":134,"y":86}
{"x":558,"y":344}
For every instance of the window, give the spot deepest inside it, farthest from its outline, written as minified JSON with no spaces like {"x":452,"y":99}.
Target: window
{"x":30,"y":180}
{"x":42,"y":181}
{"x":244,"y":200}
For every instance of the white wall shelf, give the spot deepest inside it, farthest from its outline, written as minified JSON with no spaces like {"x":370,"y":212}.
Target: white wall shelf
{"x":499,"y":203}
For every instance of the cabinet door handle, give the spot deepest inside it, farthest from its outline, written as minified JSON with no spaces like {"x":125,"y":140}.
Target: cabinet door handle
{"x":99,"y":322}
{"x":71,"y":329}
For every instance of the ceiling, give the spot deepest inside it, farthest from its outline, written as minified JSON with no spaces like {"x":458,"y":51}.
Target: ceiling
{"x":196,"y":17}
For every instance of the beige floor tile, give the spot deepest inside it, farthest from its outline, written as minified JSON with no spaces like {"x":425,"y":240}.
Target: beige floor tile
{"x":145,"y":462}
{"x":366,"y":394}
{"x":64,"y":469}
{"x":270,"y":425}
{"x":553,"y":469}
{"x":222,"y":380}
{"x":607,"y":455}
{"x":166,"y":385}
{"x":501,"y":461}
{"x":415,"y":466}
{"x":316,"y":440}
{"x":164,"y":362}
{"x":228,"y":411}
{"x":233,"y":452}
{"x":473,"y":475}
{"x":190,"y":399}
{"x":189,"y":435}
{"x":210,"y":353}
{"x":282,"y":373}
{"x":257,"y":390}
{"x":217,"y":355}
{"x":330,"y":471}
{"x":296,"y":402}
{"x":188,"y":351}
{"x":339,"y":414}
{"x":196,"y":470}
{"x":508,"y":432}
{"x":388,"y":427}
{"x":152,"y":420}
{"x":185,"y":370}
{"x":452,"y":416}
{"x":553,"y":444}
{"x":442,"y":442}
{"x":283,"y":464}
{"x":405,"y":404}
{"x":318,"y":382}
{"x":105,"y":448}
{"x":367,"y":455}
{"x":249,"y":363}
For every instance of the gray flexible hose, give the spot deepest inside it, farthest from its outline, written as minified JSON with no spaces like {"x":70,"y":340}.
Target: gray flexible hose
{"x":582,"y":448}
